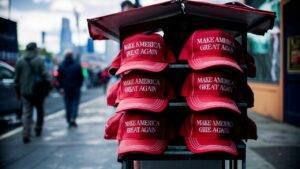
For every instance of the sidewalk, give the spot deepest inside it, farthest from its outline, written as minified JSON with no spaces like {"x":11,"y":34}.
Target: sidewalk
{"x":63,"y":148}
{"x":278,"y":145}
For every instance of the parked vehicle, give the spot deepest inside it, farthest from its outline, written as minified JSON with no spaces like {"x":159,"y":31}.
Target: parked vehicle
{"x":10,"y":106}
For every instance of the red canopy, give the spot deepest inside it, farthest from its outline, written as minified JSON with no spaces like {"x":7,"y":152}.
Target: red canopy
{"x":256,"y":21}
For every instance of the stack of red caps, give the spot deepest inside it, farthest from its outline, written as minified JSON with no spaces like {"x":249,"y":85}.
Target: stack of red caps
{"x":211,"y":91}
{"x":141,"y":95}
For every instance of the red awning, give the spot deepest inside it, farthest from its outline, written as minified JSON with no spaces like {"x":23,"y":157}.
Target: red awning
{"x":256,"y":21}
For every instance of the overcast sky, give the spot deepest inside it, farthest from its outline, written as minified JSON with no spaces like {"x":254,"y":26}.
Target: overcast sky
{"x":34,"y":16}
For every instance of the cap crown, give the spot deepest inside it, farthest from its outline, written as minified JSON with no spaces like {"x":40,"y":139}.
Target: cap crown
{"x":213,"y":84}
{"x":209,"y":43}
{"x":112,"y":126}
{"x":112,"y":94}
{"x":139,"y":126}
{"x":142,"y":47}
{"x":135,"y":85}
{"x":209,"y":126}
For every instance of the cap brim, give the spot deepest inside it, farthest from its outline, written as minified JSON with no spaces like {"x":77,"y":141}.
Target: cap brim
{"x":200,"y":145}
{"x":146,"y":104}
{"x":212,"y":61}
{"x":111,"y":133}
{"x":142,"y":65}
{"x":112,"y":126}
{"x":206,"y":103}
{"x":112,"y":94}
{"x":142,"y":146}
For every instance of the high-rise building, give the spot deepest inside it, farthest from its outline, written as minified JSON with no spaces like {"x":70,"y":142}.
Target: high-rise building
{"x":90,"y":46}
{"x":65,"y":35}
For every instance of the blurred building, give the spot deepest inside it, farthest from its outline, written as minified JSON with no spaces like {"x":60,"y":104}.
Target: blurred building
{"x":8,"y":41}
{"x":277,"y":56}
{"x":65,"y":35}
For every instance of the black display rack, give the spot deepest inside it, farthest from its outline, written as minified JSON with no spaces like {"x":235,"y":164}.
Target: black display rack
{"x":178,"y":19}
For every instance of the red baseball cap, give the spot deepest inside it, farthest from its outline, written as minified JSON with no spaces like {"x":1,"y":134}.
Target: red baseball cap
{"x":144,"y":91}
{"x":210,"y":90}
{"x":112,"y":93}
{"x":145,"y":52}
{"x":209,"y":132}
{"x":112,"y":126}
{"x":210,"y":48}
{"x":143,"y":132}
{"x":115,"y":64}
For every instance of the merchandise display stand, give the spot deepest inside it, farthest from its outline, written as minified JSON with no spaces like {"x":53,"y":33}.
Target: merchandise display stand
{"x":178,"y":19}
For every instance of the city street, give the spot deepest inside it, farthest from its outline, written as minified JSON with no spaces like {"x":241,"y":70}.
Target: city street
{"x":85,"y":148}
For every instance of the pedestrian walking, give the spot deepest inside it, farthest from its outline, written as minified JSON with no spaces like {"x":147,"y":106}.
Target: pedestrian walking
{"x":70,"y":79}
{"x":32,"y":86}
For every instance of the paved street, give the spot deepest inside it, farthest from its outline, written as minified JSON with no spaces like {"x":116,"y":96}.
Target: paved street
{"x":84,"y":148}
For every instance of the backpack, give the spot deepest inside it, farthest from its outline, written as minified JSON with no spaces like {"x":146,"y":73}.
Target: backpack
{"x":41,"y":86}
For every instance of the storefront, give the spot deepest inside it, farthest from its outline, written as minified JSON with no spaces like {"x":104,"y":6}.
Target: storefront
{"x":277,"y":56}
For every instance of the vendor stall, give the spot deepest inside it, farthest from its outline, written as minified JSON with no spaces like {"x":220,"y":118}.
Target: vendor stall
{"x":184,"y":68}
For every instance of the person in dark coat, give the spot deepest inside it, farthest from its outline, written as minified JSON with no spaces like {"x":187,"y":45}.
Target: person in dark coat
{"x":28,"y":68}
{"x":70,"y":80}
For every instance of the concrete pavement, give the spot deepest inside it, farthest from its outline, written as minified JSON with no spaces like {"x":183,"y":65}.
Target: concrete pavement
{"x":63,"y":148}
{"x":84,"y":147}
{"x":278,"y":145}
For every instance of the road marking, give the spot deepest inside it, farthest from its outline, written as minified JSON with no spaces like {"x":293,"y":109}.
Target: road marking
{"x":50,"y":117}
